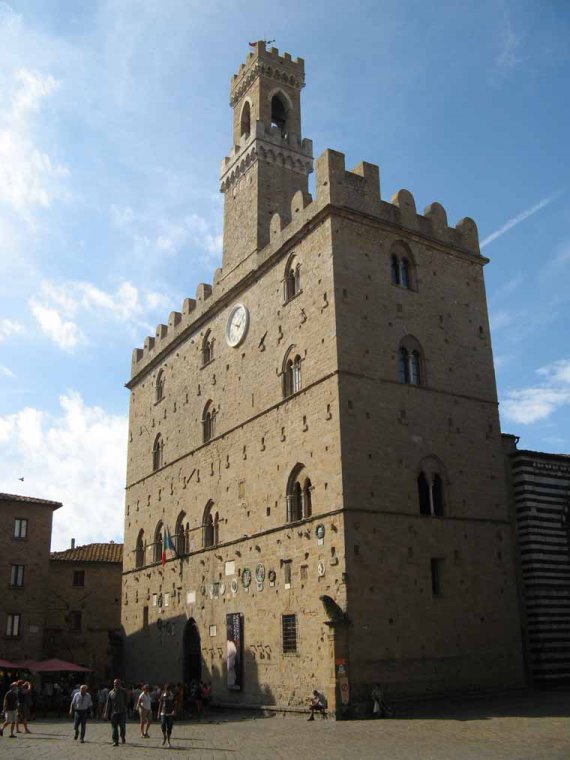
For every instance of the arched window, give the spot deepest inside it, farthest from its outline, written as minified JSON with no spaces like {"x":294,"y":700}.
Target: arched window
{"x":210,"y":526}
{"x":395,"y":269}
{"x":431,"y":487}
{"x":299,"y":494}
{"x":139,"y":551}
{"x":292,"y":376}
{"x":245,"y":126}
{"x":410,"y":362}
{"x":402,"y":270}
{"x":180,"y":535}
{"x":279,"y":114}
{"x":157,"y":552}
{"x":405,"y":273}
{"x":292,"y":278}
{"x":208,"y":422}
{"x":207,"y":348}
{"x":157,"y":453}
{"x":159,"y":388}
{"x":307,"y":504}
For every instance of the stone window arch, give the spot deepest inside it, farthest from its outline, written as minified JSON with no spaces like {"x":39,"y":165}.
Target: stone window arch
{"x":208,"y":422}
{"x":207,"y":348}
{"x":245,"y":121}
{"x":292,"y":278}
{"x":159,"y":386}
{"x":299,"y":494}
{"x":180,"y":534}
{"x":157,"y":546}
{"x":140,"y":549}
{"x":431,"y":482}
{"x":158,"y":453}
{"x":402,"y":266}
{"x":411,"y":363}
{"x":291,"y":372}
{"x":210,"y":526}
{"x":279,"y":113}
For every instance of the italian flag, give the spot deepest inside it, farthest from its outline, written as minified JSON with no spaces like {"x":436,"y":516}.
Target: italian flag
{"x":166,"y":544}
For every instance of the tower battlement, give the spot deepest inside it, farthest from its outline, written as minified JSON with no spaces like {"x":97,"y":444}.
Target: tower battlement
{"x":294,"y":152}
{"x":357,"y":191}
{"x":282,"y":68}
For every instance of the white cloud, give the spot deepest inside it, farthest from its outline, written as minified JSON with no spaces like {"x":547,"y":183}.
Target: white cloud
{"x":64,"y":333}
{"x":6,"y":371}
{"x":66,"y":311}
{"x":29,"y":177}
{"x":9,"y":327}
{"x":538,"y":402}
{"x":509,"y":54}
{"x":518,"y":219}
{"x":167,"y":236}
{"x":77,"y":457}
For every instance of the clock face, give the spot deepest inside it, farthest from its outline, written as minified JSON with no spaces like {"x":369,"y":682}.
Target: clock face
{"x":236,"y":327}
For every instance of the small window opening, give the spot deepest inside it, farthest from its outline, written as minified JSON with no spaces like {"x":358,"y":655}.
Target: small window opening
{"x":279,"y":115}
{"x":245,"y":120}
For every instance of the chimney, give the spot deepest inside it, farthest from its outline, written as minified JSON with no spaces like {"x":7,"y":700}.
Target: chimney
{"x":73,"y":543}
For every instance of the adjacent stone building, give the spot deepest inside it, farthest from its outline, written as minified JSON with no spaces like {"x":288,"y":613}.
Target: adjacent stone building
{"x":25,"y":540}
{"x":540,"y":488}
{"x":318,"y":436}
{"x":83,"y":623}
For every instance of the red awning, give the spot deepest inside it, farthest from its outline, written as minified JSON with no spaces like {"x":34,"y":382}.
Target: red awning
{"x":53,"y":666}
{"x":10,"y":665}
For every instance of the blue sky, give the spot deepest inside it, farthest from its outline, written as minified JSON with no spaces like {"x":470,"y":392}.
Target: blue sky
{"x":114,"y":117}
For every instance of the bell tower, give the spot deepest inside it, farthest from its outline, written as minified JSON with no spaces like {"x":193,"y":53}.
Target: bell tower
{"x":270,"y":161}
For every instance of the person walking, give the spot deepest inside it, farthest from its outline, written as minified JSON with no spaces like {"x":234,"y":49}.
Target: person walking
{"x":79,"y":709}
{"x":166,"y":711}
{"x":102,"y":695}
{"x":25,"y":706}
{"x":144,"y":707}
{"x":116,"y":710}
{"x":10,"y":710}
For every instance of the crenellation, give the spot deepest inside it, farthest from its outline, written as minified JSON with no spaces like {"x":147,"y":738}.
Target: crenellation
{"x":188,"y":306}
{"x":405,"y":202}
{"x":161,"y":331}
{"x":203,"y":292}
{"x":438,"y":217}
{"x":174,"y":319}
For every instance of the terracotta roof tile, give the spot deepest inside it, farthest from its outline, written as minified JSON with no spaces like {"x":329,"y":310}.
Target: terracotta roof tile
{"x":29,"y":500}
{"x":91,"y":553}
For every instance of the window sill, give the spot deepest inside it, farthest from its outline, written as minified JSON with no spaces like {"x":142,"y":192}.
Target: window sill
{"x":207,"y":364}
{"x":159,"y":401}
{"x":13,"y":587}
{"x":292,"y":298}
{"x":403,"y":287}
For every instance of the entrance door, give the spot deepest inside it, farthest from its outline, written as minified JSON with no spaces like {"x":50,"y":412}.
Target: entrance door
{"x":192,"y":654}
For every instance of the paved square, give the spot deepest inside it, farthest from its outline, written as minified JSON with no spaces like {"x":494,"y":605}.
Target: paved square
{"x":535,"y":727}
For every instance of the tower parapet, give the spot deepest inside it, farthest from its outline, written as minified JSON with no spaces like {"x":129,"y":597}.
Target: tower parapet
{"x":282,"y":68}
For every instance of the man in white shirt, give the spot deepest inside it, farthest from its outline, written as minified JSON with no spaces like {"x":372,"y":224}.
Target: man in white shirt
{"x":79,"y":709}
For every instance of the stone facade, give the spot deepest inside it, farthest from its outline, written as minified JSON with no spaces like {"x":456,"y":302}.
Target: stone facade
{"x":319,"y":433}
{"x":25,"y":540}
{"x":540,"y":491}
{"x":83,"y":624}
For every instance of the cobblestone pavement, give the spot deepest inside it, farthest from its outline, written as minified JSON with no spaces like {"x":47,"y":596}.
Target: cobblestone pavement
{"x":534,"y":727}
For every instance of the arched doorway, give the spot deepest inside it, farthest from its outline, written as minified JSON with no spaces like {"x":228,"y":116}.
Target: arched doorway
{"x":192,"y":655}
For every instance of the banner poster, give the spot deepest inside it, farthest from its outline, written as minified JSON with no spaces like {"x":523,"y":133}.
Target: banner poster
{"x":234,"y":650}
